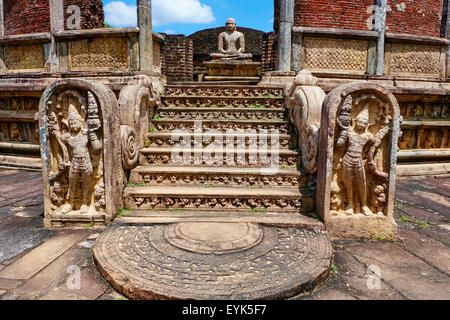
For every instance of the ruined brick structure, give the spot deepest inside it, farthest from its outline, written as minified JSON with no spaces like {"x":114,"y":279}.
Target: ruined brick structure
{"x":33,"y":16}
{"x":269,"y":52}
{"x":177,"y":57}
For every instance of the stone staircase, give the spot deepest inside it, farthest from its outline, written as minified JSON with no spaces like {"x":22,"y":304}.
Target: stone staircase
{"x":213,"y":217}
{"x":252,"y":170}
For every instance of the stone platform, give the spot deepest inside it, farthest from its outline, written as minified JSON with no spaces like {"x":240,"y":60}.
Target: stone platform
{"x":226,"y":70}
{"x":212,"y":261}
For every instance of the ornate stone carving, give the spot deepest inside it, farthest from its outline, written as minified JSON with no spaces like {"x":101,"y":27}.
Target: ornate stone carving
{"x":356,"y":175}
{"x":99,"y":54}
{"x":165,"y":263}
{"x":218,"y":102}
{"x":304,"y":103}
{"x":211,"y":91}
{"x":25,"y":58}
{"x":79,"y":133}
{"x":425,"y":111}
{"x":321,"y":54}
{"x":414,"y":58}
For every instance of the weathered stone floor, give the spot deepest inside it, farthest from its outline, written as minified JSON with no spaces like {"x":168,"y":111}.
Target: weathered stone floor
{"x":35,"y":263}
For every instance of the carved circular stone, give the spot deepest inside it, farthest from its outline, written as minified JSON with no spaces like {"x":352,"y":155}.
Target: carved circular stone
{"x":218,"y":238}
{"x":211,"y":261}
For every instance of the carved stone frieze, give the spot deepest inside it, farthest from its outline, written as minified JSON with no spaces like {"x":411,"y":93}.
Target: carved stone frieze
{"x":425,"y":110}
{"x":217,"y":180}
{"x":25,"y":58}
{"x":222,"y":102}
{"x":424,"y":138}
{"x":219,"y":114}
{"x":170,"y":203}
{"x":214,"y":91}
{"x":414,"y":59}
{"x":99,"y":54}
{"x":218,"y":159}
{"x":326,"y":54}
{"x":169,"y":125}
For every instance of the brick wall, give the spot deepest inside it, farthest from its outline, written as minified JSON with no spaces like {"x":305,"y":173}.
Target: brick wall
{"x":26,"y":16}
{"x":92,"y":15}
{"x":269,"y":52}
{"x":33,"y":16}
{"x":342,"y":14}
{"x":177,"y":58}
{"x":419,"y":17}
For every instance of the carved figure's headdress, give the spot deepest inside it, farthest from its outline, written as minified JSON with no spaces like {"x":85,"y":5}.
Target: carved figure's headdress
{"x":73,"y":113}
{"x":364,"y":114}
{"x":347,"y":105}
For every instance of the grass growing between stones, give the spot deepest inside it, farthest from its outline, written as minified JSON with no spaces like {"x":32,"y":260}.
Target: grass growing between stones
{"x":132,"y":185}
{"x":89,"y":225}
{"x":122,"y":212}
{"x":256,"y":210}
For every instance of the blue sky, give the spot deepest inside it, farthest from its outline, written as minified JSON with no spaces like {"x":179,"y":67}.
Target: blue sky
{"x":189,"y":16}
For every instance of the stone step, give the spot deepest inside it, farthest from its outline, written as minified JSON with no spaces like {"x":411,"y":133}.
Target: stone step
{"x":223,"y":102}
{"x":224,"y":91}
{"x":260,"y":114}
{"x":218,"y":157}
{"x":278,"y":219}
{"x":215,"y":177}
{"x":161,"y":139}
{"x":221,"y":125}
{"x":212,"y":199}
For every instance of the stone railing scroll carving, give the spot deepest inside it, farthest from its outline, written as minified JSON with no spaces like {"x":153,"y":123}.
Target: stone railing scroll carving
{"x":304,"y":102}
{"x":79,"y":134}
{"x":138,"y":102}
{"x":357,"y":161}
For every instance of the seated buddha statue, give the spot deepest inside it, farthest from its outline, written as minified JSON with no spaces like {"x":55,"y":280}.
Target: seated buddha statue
{"x":231,"y":44}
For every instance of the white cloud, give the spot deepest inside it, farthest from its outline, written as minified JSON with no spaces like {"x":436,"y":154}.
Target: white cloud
{"x":168,"y":31}
{"x":181,"y":11}
{"x":119,"y":14}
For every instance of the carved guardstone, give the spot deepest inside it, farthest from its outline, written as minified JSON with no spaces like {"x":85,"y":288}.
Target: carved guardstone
{"x":79,"y":135}
{"x":357,"y":161}
{"x":231,"y":62}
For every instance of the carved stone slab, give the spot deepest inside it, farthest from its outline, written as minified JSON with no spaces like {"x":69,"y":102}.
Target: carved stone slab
{"x":358,"y":148}
{"x":81,"y":153}
{"x":212,"y":261}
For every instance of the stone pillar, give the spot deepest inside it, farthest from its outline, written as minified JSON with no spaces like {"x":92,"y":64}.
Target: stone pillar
{"x":285,"y":35}
{"x":447,"y":36}
{"x":380,"y":27}
{"x":144,"y":13}
{"x":2,"y":31}
{"x":56,"y":25}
